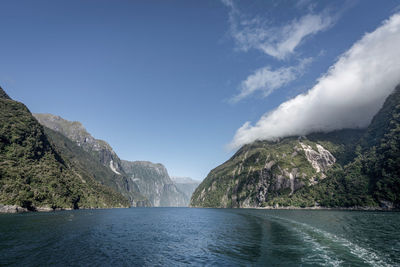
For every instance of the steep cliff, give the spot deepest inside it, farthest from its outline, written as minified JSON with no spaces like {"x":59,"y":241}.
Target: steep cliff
{"x":144,"y":183}
{"x":95,"y":156}
{"x":154,"y":183}
{"x":186,"y":185}
{"x":90,"y":165}
{"x":76,"y":132}
{"x":381,"y":161}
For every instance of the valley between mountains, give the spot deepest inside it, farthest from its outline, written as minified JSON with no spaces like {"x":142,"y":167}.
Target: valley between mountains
{"x":50,"y":163}
{"x":47,"y":163}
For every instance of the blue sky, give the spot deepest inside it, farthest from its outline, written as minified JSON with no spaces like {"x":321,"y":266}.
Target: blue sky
{"x":175,"y":81}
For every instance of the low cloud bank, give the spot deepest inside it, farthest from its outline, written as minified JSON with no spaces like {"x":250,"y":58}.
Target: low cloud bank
{"x":347,"y":96}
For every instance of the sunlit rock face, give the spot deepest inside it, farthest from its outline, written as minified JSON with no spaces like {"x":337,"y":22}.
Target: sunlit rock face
{"x":265,"y":170}
{"x":320,"y":160}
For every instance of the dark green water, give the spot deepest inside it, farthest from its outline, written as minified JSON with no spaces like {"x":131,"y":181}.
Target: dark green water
{"x":183,"y":236}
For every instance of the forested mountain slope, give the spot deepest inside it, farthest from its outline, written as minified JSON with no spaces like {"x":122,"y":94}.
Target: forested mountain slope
{"x":34,"y":174}
{"x":344,"y":168}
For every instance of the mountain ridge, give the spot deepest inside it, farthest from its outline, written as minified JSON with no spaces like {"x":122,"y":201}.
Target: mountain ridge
{"x":153,"y":184}
{"x":99,"y":151}
{"x":34,"y":174}
{"x":3,"y":94}
{"x":344,"y":168}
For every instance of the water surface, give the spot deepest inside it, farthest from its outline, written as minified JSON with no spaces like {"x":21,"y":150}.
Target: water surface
{"x":184,"y":236}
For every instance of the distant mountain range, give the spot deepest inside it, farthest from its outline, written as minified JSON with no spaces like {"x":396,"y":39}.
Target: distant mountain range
{"x":47,"y":162}
{"x":346,"y":168}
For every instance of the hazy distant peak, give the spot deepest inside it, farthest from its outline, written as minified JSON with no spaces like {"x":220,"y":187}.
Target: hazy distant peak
{"x":184,"y":180}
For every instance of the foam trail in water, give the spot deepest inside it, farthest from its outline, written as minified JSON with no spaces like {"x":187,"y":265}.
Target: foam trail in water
{"x":366,"y":255}
{"x":323,"y":252}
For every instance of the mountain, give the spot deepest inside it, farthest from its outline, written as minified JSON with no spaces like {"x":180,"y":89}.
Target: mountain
{"x":95,"y":156}
{"x":103,"y":174}
{"x":261,"y":171}
{"x":345,"y":168}
{"x":76,"y":132}
{"x":144,"y":183}
{"x":154,"y":183}
{"x":186,"y":185}
{"x":381,"y":162}
{"x":35,"y":175}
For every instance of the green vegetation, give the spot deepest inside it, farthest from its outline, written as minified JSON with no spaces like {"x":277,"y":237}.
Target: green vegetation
{"x":91,"y":155}
{"x":3,"y":95}
{"x":262,"y":166}
{"x":91,"y":167}
{"x":372,"y":177}
{"x":366,"y":172}
{"x":382,"y":161}
{"x":34,"y":173}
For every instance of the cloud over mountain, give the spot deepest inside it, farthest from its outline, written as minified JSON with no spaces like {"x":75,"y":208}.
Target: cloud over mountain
{"x":347,"y":96}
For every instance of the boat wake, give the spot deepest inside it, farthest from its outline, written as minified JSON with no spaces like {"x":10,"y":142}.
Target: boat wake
{"x":331,"y":250}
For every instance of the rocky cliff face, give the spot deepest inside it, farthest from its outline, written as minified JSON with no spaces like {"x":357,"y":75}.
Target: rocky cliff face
{"x":320,"y":160}
{"x":264,"y":170}
{"x":76,"y":132}
{"x":186,"y":185}
{"x":99,"y":159}
{"x":154,"y":183}
{"x":144,"y":183}
{"x":346,"y":168}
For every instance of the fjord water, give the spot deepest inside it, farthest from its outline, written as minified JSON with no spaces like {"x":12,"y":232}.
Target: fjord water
{"x":183,"y":236}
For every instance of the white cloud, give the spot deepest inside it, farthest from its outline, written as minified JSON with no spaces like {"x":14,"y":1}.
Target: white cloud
{"x":347,"y":96}
{"x":267,"y":80}
{"x":291,"y":35}
{"x":276,"y":41}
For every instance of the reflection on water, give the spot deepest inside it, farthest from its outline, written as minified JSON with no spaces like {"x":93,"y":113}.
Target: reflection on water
{"x":182,"y":236}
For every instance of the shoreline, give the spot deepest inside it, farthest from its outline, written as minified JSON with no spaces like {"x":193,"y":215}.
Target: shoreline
{"x":309,"y":208}
{"x":12,"y":209}
{"x":328,"y":208}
